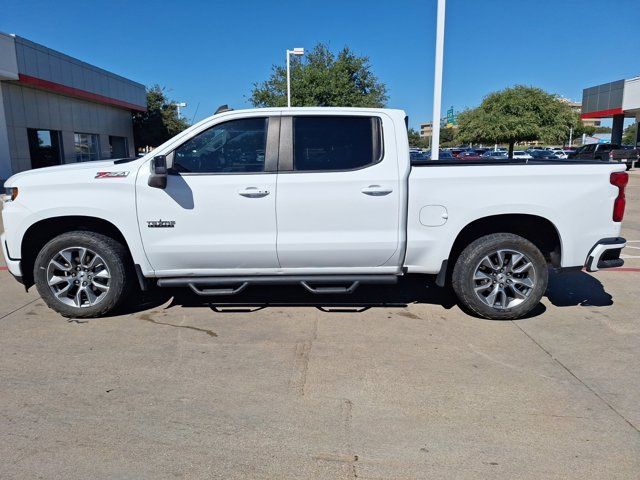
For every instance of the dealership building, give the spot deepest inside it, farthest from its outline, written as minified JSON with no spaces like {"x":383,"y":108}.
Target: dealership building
{"x":616,"y":100}
{"x":56,"y":109}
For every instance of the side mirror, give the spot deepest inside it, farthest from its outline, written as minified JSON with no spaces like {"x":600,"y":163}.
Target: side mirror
{"x":158,"y":177}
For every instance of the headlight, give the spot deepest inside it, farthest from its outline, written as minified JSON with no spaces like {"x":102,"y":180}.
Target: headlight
{"x":10,"y":194}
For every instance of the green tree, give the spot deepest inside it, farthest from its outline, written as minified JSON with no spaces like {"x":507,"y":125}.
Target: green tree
{"x":602,"y":129}
{"x":517,"y":114}
{"x":322,"y":79}
{"x":160,"y":122}
{"x":448,"y":137}
{"x":579,"y":128}
{"x":629,"y":134}
{"x":415,"y":140}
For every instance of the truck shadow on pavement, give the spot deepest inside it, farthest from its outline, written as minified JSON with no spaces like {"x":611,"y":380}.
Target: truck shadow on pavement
{"x":565,"y":289}
{"x":577,"y":288}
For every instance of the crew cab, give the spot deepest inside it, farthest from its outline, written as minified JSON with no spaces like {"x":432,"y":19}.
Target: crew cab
{"x":326,"y":198}
{"x":594,"y":151}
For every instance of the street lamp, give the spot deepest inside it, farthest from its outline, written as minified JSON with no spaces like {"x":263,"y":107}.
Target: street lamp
{"x":437,"y":81}
{"x":180,"y":105}
{"x":296,"y":51}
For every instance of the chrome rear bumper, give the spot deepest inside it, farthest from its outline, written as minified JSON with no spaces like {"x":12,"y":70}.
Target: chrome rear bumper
{"x":605,"y":254}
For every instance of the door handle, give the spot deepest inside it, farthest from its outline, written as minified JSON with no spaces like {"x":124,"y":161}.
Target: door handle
{"x":376,"y":190}
{"x":253,"y":192}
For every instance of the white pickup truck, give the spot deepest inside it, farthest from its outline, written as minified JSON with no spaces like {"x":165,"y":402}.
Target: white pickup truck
{"x":322,"y":197}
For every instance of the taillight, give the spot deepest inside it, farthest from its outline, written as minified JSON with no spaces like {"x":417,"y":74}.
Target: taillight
{"x":619,"y":179}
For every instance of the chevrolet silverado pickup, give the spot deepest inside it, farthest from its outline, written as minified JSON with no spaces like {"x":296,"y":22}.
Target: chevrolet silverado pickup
{"x":326,"y":198}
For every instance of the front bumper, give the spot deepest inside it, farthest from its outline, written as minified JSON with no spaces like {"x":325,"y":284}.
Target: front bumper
{"x":605,"y":254}
{"x":13,"y":264}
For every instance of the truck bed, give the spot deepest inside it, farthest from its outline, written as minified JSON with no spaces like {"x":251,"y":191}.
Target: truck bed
{"x":462,"y":162}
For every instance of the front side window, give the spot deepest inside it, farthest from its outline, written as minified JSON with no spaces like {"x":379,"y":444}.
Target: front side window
{"x":236,"y":146}
{"x":86,"y":147}
{"x":335,"y":143}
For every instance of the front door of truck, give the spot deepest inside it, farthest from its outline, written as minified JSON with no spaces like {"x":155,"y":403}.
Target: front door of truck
{"x":217,"y":213}
{"x":338,"y":193}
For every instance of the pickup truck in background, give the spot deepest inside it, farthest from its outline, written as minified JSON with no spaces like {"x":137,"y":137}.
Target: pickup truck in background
{"x":594,"y":151}
{"x":627,"y":154}
{"x":326,"y":198}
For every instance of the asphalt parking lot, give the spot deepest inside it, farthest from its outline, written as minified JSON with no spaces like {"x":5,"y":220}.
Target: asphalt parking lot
{"x":397,"y":383}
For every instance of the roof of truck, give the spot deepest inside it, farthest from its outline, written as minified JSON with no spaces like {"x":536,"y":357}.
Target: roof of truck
{"x":317,"y":109}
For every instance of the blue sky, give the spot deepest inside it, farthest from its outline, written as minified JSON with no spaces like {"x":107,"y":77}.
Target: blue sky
{"x":211,"y":52}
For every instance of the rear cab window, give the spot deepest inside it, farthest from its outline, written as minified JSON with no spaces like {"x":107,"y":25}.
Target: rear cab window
{"x":336,"y":143}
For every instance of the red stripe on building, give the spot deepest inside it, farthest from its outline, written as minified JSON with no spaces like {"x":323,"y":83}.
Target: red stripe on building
{"x":603,"y":113}
{"x":76,"y":92}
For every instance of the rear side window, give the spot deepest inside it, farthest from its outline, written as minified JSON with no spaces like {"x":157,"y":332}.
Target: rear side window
{"x":336,"y":143}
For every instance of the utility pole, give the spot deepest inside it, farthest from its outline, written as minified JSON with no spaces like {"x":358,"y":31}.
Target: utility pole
{"x":437,"y":80}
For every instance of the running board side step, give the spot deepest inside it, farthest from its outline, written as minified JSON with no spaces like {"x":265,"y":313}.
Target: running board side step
{"x":317,"y":284}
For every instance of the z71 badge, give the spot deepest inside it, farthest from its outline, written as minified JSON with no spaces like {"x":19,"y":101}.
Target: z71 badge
{"x":111,"y":174}
{"x":161,"y":223}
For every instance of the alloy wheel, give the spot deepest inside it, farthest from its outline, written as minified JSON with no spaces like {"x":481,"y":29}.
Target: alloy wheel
{"x":504,"y":279}
{"x":78,"y":277}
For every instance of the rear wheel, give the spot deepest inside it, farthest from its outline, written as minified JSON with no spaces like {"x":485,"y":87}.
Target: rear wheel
{"x":500,"y":276}
{"x":82,"y":274}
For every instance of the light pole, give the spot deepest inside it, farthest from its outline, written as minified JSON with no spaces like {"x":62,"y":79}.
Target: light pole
{"x":180,"y":105}
{"x":296,"y":51}
{"x":570,"y":136}
{"x":437,"y":81}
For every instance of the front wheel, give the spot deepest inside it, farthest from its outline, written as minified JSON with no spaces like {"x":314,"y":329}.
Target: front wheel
{"x":82,"y":274}
{"x":500,"y":276}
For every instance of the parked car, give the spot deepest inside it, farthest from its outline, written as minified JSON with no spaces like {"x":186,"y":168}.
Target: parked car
{"x":456,"y":151}
{"x":626,"y":154}
{"x":324,"y":198}
{"x":543,"y":155}
{"x":442,"y":155}
{"x":521,"y":155}
{"x":495,"y":155}
{"x":417,"y":155}
{"x":594,"y":151}
{"x":469,"y":155}
{"x":558,"y":152}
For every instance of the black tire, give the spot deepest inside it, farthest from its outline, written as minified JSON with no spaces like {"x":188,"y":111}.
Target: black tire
{"x":115,"y":257}
{"x":465,"y":268}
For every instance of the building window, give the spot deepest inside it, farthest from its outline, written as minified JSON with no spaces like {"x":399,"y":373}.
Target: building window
{"x":87,"y":147}
{"x":44,"y":147}
{"x":118,"y":147}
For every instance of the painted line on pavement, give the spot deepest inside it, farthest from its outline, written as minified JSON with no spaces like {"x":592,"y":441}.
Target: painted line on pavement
{"x":621,"y":269}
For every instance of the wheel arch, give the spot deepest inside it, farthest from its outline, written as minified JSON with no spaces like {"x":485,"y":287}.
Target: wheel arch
{"x":538,"y":230}
{"x":39,"y":233}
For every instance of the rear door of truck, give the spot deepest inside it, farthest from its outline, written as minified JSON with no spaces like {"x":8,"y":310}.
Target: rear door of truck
{"x":338,"y":202}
